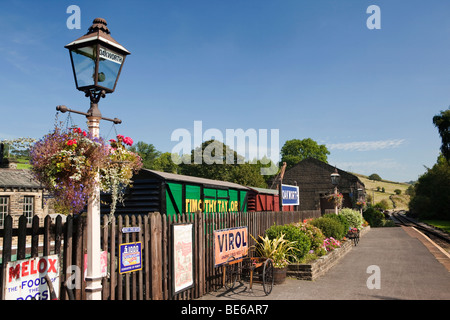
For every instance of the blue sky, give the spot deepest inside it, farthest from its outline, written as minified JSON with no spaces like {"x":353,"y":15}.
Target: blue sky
{"x":310,"y":69}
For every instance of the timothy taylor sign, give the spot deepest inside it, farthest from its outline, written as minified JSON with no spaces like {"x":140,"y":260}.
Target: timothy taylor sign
{"x":231,"y":242}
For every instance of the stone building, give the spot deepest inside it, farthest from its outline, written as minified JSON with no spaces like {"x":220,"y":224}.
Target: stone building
{"x":314,"y":180}
{"x":20,"y":194}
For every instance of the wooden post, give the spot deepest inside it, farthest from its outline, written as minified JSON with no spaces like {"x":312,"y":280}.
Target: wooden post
{"x":156,"y":254}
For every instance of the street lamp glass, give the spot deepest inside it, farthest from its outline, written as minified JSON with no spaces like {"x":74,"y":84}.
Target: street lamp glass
{"x":109,"y":67}
{"x":84,"y":66}
{"x":335,"y":178}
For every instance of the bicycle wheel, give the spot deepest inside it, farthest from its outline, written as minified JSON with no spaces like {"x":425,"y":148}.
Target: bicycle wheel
{"x":230,"y":274}
{"x":268,"y":276}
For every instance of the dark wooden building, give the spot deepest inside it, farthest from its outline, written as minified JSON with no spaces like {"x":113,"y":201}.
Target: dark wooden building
{"x":314,"y":180}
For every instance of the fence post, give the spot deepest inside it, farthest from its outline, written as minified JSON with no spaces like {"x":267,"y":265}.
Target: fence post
{"x":156,"y":255}
{"x":201,"y":254}
{"x":6,"y":254}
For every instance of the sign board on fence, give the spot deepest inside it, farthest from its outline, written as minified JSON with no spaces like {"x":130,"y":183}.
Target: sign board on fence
{"x":232,"y":242}
{"x":290,"y":195}
{"x":103,"y":263}
{"x":130,"y":257}
{"x":183,"y":256}
{"x":25,"y":279}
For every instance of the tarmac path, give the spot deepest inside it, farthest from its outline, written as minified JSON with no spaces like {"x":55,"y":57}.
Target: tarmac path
{"x":394,"y":259}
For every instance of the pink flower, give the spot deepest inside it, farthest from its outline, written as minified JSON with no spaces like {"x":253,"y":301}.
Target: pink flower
{"x":119,"y":137}
{"x":128,"y":141}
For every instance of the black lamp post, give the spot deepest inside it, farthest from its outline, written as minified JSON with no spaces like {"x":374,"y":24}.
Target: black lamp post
{"x":335,"y":177}
{"x":97,"y":61}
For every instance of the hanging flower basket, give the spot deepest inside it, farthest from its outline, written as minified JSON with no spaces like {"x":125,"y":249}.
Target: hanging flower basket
{"x":116,"y":176}
{"x":337,"y":199}
{"x":66,"y":162}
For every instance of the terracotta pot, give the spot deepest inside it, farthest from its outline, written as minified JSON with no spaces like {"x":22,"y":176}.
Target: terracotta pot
{"x":279,"y":275}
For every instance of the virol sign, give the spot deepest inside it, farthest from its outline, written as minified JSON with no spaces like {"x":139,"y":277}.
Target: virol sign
{"x":111,"y":56}
{"x":228,"y":243}
{"x":25,"y":279}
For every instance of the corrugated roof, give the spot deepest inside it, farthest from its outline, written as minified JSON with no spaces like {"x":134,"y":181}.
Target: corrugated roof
{"x":18,"y":178}
{"x":197,"y":180}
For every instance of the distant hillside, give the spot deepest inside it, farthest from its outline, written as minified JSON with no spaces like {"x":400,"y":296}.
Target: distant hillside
{"x":399,"y":201}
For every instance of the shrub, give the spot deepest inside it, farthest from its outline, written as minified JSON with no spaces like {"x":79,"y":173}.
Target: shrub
{"x":291,"y":233}
{"x":330,"y":227}
{"x":354,"y":218}
{"x":382,"y":205}
{"x":375,"y":177}
{"x":373,"y":216}
{"x":340,"y":218}
{"x":315,"y":235}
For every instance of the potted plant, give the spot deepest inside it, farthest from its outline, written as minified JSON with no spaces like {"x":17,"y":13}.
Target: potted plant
{"x":281,"y":251}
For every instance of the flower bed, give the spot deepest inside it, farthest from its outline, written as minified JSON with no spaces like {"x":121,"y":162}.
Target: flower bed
{"x":318,"y":267}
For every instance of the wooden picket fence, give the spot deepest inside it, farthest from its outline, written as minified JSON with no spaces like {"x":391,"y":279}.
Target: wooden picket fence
{"x":154,"y":280}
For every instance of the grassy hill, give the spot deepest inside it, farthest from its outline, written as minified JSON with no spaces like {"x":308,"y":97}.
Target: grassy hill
{"x":395,"y":201}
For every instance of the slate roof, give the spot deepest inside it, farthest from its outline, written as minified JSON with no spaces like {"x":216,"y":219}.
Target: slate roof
{"x":17,"y":178}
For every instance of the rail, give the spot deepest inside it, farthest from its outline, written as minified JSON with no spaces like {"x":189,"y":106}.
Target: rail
{"x":441,"y":237}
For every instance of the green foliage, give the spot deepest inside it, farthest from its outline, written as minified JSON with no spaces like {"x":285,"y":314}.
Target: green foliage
{"x":375,"y":177}
{"x":383,"y":205}
{"x":442,"y":123}
{"x":373,"y":216}
{"x":398,"y":191}
{"x":215,"y":160}
{"x":340,"y":218}
{"x":295,"y":150}
{"x":354,"y":218}
{"x":292,"y":233}
{"x":330,"y":227}
{"x":432,"y":192}
{"x":315,"y":235}
{"x":280,"y":250}
{"x":165,"y":163}
{"x":147,"y":152}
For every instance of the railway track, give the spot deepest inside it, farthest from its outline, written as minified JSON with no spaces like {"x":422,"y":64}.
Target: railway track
{"x":440,"y":237}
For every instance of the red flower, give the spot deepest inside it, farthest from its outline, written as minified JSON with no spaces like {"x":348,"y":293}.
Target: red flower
{"x":128,"y":141}
{"x":71,"y":142}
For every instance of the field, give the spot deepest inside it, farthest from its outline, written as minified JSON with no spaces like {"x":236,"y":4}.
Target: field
{"x":399,"y":201}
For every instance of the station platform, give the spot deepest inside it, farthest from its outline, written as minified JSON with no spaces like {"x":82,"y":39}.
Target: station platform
{"x":387,"y":264}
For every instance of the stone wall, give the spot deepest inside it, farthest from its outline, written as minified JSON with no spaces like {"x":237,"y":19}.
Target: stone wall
{"x":16,"y":203}
{"x":317,"y":268}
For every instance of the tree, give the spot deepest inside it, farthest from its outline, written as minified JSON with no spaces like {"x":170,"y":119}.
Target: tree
{"x":164,"y":163}
{"x":442,"y":123}
{"x":215,"y":160}
{"x":295,"y":150}
{"x":147,"y":152}
{"x":374,"y":177}
{"x":432,"y":192}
